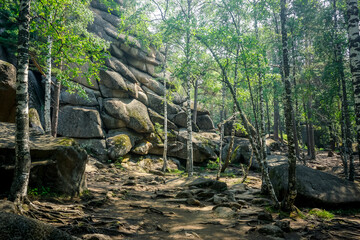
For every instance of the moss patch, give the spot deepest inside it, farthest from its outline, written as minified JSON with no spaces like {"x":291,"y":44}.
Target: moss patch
{"x":67,"y":142}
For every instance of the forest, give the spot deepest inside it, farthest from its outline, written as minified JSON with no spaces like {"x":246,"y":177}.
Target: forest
{"x":183,"y":119}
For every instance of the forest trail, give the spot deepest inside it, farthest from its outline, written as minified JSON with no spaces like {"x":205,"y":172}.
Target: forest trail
{"x":130,"y":204}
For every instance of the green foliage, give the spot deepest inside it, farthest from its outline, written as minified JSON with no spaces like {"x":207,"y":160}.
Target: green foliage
{"x":320,"y":213}
{"x":41,"y":192}
{"x":213,"y":165}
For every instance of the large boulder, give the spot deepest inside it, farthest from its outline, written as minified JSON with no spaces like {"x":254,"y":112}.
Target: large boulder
{"x":157,"y":103}
{"x":118,"y":146}
{"x":148,"y":81}
{"x":132,"y":112}
{"x":205,"y":122}
{"x":80,"y":122}
{"x":111,"y":122}
{"x":135,"y":137}
{"x":113,"y":93}
{"x":121,"y":68}
{"x":112,"y":80}
{"x":7,"y":92}
{"x":157,"y":118}
{"x":34,"y":121}
{"x":94,"y":147}
{"x":316,"y":188}
{"x":180,"y":119}
{"x":241,"y":151}
{"x":76,"y":99}
{"x":13,"y":226}
{"x":58,"y":163}
{"x":205,"y":145}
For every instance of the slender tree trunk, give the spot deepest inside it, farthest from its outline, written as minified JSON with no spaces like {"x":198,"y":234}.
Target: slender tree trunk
{"x":165,"y":165}
{"x":268,"y":117}
{"x":345,"y":106}
{"x":195,"y":100}
{"x":18,"y":191}
{"x":233,"y":130}
{"x":307,"y":128}
{"x":288,"y":202}
{"x":56,"y":107}
{"x":276,"y":118}
{"x":354,"y":44}
{"x":47,"y":107}
{"x":190,"y":156}
{"x":221,"y":131}
{"x":281,"y":129}
{"x":295,"y":112}
{"x":311,"y":131}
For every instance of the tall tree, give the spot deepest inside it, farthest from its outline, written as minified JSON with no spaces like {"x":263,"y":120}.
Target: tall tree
{"x":288,"y":202}
{"x":354,"y":46}
{"x":19,"y":186}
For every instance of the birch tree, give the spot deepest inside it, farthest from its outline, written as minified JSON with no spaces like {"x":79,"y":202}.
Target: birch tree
{"x":352,"y":16}
{"x":288,"y":202}
{"x":19,"y":186}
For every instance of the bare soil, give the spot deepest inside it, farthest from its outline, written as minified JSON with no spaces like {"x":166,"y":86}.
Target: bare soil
{"x":134,"y":204}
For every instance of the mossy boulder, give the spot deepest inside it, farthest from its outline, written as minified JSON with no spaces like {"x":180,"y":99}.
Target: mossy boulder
{"x":132,"y":112}
{"x":57,"y":163}
{"x":118,"y":146}
{"x":7,"y":92}
{"x":34,"y":121}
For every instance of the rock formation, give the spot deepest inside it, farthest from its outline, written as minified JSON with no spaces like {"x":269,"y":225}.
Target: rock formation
{"x":57,"y":163}
{"x":124,"y":111}
{"x":125,"y":106}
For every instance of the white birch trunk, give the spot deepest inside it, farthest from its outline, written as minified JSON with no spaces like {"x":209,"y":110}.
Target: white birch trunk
{"x":47,"y":115}
{"x":18,"y":191}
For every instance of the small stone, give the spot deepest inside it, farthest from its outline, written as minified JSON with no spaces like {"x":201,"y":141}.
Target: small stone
{"x":193,"y":202}
{"x":239,"y":188}
{"x":283,"y":225}
{"x":96,"y":237}
{"x":225,"y":212}
{"x":265,"y":216}
{"x":271,"y":230}
{"x":111,"y":165}
{"x":131,"y":178}
{"x":130,"y":183}
{"x":205,"y":195}
{"x":99,"y":165}
{"x":184,"y":194}
{"x":321,"y":168}
{"x":219,"y":199}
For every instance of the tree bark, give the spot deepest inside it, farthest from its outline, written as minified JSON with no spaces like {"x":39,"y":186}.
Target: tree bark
{"x":221,"y":132}
{"x":195,"y":100}
{"x":288,"y":202}
{"x":354,"y":47}
{"x":312,"y":153}
{"x":165,"y":165}
{"x":56,"y":107}
{"x":190,"y":156}
{"x":47,"y":107}
{"x":18,"y":191}
{"x":276,"y":118}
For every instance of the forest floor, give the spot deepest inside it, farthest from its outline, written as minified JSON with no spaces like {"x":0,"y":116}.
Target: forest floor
{"x":129,"y":203}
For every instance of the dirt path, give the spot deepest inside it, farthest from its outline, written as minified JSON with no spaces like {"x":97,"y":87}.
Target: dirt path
{"x":128,"y":204}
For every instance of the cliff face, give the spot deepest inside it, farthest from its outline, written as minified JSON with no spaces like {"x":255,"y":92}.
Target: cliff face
{"x":125,"y":105}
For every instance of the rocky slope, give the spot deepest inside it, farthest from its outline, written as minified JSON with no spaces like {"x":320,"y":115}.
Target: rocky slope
{"x":127,"y":103}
